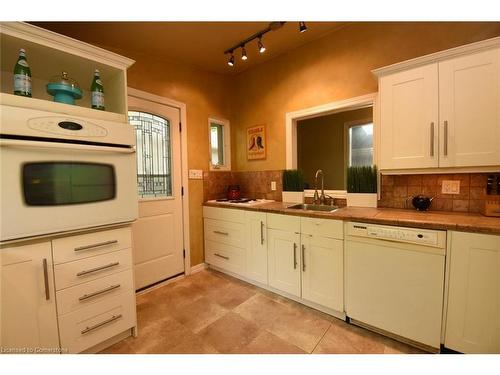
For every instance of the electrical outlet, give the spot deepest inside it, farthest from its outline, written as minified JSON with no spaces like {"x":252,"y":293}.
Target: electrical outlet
{"x":273,"y":185}
{"x":450,"y":187}
{"x":195,"y":174}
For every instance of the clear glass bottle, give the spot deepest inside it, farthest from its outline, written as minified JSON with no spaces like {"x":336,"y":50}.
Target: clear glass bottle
{"x":22,"y":75}
{"x":97,"y":92}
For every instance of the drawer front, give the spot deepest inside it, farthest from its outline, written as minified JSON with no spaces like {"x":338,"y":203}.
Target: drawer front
{"x":84,"y":328}
{"x":226,"y":214}
{"x":89,"y":293}
{"x":226,"y":257}
{"x":287,"y":223}
{"x":72,"y":248}
{"x":322,"y":227}
{"x":225,"y":232}
{"x":82,"y":271}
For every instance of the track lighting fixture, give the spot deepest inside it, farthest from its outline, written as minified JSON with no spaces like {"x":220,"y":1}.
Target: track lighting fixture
{"x":302,"y":27}
{"x":262,"y":49}
{"x":230,"y":62}
{"x":243,"y":53}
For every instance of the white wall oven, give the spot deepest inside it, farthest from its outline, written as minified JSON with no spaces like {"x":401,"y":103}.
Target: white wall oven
{"x":61,"y":173}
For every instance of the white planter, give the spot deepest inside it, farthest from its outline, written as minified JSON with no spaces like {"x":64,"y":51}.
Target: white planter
{"x":362,"y":199}
{"x":292,"y":196}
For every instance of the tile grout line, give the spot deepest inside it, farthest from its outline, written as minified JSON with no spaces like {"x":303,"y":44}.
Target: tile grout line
{"x":326,"y":330}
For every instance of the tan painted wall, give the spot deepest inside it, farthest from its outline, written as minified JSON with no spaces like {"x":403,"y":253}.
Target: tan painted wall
{"x":320,"y":145}
{"x":204,"y":95}
{"x":332,"y":68}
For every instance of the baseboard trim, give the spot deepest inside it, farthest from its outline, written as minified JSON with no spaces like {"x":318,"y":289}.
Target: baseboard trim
{"x":198,"y":268}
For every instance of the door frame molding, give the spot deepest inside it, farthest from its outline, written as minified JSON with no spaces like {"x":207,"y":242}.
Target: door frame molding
{"x":184,"y":163}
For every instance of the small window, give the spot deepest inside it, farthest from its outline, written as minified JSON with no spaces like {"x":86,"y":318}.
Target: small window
{"x":154,"y":154}
{"x":219,"y":144}
{"x":361,"y":144}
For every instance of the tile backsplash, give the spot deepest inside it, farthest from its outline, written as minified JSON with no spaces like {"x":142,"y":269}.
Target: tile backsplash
{"x":396,"y":189}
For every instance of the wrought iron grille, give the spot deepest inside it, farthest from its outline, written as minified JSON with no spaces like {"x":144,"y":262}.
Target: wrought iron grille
{"x":154,"y":157}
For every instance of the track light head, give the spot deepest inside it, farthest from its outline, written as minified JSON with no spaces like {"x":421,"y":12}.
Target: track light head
{"x":243,"y":53}
{"x":230,"y":62}
{"x":262,"y":49}
{"x":302,"y":26}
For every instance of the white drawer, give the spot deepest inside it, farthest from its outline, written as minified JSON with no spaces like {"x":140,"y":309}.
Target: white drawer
{"x":84,"y":328}
{"x":226,"y":257}
{"x":322,"y":227}
{"x":89,"y":293}
{"x":284,"y":222}
{"x":227,"y":214}
{"x":72,"y":248}
{"x":84,"y":270}
{"x":225,"y":232}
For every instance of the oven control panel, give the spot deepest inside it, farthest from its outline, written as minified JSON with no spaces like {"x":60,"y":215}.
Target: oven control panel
{"x":66,"y":126}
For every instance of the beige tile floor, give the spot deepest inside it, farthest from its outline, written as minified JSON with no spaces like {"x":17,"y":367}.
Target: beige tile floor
{"x":210,"y":312}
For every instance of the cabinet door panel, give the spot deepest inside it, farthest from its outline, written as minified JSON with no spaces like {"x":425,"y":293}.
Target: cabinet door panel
{"x":28,"y":318}
{"x":473,"y":315}
{"x":256,"y":253}
{"x":469,"y":107}
{"x":409,"y":119}
{"x":284,"y":261}
{"x":322,"y":277}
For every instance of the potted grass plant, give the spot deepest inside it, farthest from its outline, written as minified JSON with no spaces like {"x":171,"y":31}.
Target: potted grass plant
{"x":293,"y":186}
{"x":362,"y":186}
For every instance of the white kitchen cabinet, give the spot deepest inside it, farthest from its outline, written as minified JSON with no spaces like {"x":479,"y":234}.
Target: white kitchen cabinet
{"x":409,"y":119}
{"x":322,"y":262}
{"x":469,"y":110}
{"x":473,"y":309}
{"x":27,"y":299}
{"x":256,"y":250}
{"x":443,"y":113}
{"x":284,"y":260}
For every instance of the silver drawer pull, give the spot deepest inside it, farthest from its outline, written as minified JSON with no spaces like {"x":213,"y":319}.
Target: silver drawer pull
{"x":88,"y":247}
{"x":223,"y":233}
{"x":95,"y":294}
{"x":99,"y":325}
{"x":221,"y":256}
{"x":82,"y":273}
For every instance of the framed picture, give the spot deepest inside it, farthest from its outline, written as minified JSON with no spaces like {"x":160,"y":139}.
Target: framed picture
{"x":256,"y":142}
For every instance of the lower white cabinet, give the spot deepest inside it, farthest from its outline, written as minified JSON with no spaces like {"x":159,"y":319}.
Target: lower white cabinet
{"x":256,"y":249}
{"x":473,"y":312}
{"x":28,"y":317}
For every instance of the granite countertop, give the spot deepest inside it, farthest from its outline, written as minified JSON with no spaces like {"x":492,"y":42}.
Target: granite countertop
{"x":465,"y":222}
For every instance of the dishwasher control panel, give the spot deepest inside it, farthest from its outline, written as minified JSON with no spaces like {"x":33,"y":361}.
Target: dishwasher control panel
{"x":426,"y":237}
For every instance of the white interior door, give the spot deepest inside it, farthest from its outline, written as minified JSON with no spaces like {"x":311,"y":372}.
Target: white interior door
{"x":158,"y":232}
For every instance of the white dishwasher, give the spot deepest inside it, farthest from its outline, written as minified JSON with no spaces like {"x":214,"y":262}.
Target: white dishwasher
{"x":394,"y":280}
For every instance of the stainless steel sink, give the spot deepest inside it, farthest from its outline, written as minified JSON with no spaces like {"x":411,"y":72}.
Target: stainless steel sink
{"x":313,"y":207}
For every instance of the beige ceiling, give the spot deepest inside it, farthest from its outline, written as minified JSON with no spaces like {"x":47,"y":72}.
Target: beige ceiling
{"x":200,"y":44}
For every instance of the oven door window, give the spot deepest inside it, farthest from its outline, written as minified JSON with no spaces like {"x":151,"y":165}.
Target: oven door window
{"x":60,"y":183}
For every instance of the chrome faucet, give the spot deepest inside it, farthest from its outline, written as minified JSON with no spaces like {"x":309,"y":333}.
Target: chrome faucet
{"x":319,"y":199}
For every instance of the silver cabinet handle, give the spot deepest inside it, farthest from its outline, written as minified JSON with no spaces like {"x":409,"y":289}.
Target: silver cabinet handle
{"x":294,"y":255}
{"x":95,"y":294}
{"x":101,"y":268}
{"x":262,"y":233}
{"x":432,"y":138}
{"x":221,"y":256}
{"x":223,"y":233}
{"x":46,"y":279}
{"x":303,"y":258}
{"x":103,"y":323}
{"x":445,"y":150}
{"x":88,"y":247}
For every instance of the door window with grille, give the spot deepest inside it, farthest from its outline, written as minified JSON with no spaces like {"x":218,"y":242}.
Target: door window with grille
{"x":154,"y":154}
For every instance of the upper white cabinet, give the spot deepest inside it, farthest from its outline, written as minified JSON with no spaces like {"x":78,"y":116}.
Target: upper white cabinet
{"x":473,"y":313}
{"x":27,"y":298}
{"x":442,"y":110}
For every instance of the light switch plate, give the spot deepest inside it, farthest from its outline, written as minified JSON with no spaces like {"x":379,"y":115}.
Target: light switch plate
{"x":273,"y":185}
{"x":195,"y":174}
{"x":450,"y":187}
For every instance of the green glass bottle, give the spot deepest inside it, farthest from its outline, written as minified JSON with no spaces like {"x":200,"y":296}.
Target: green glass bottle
{"x":22,"y":75}
{"x":97,"y":92}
